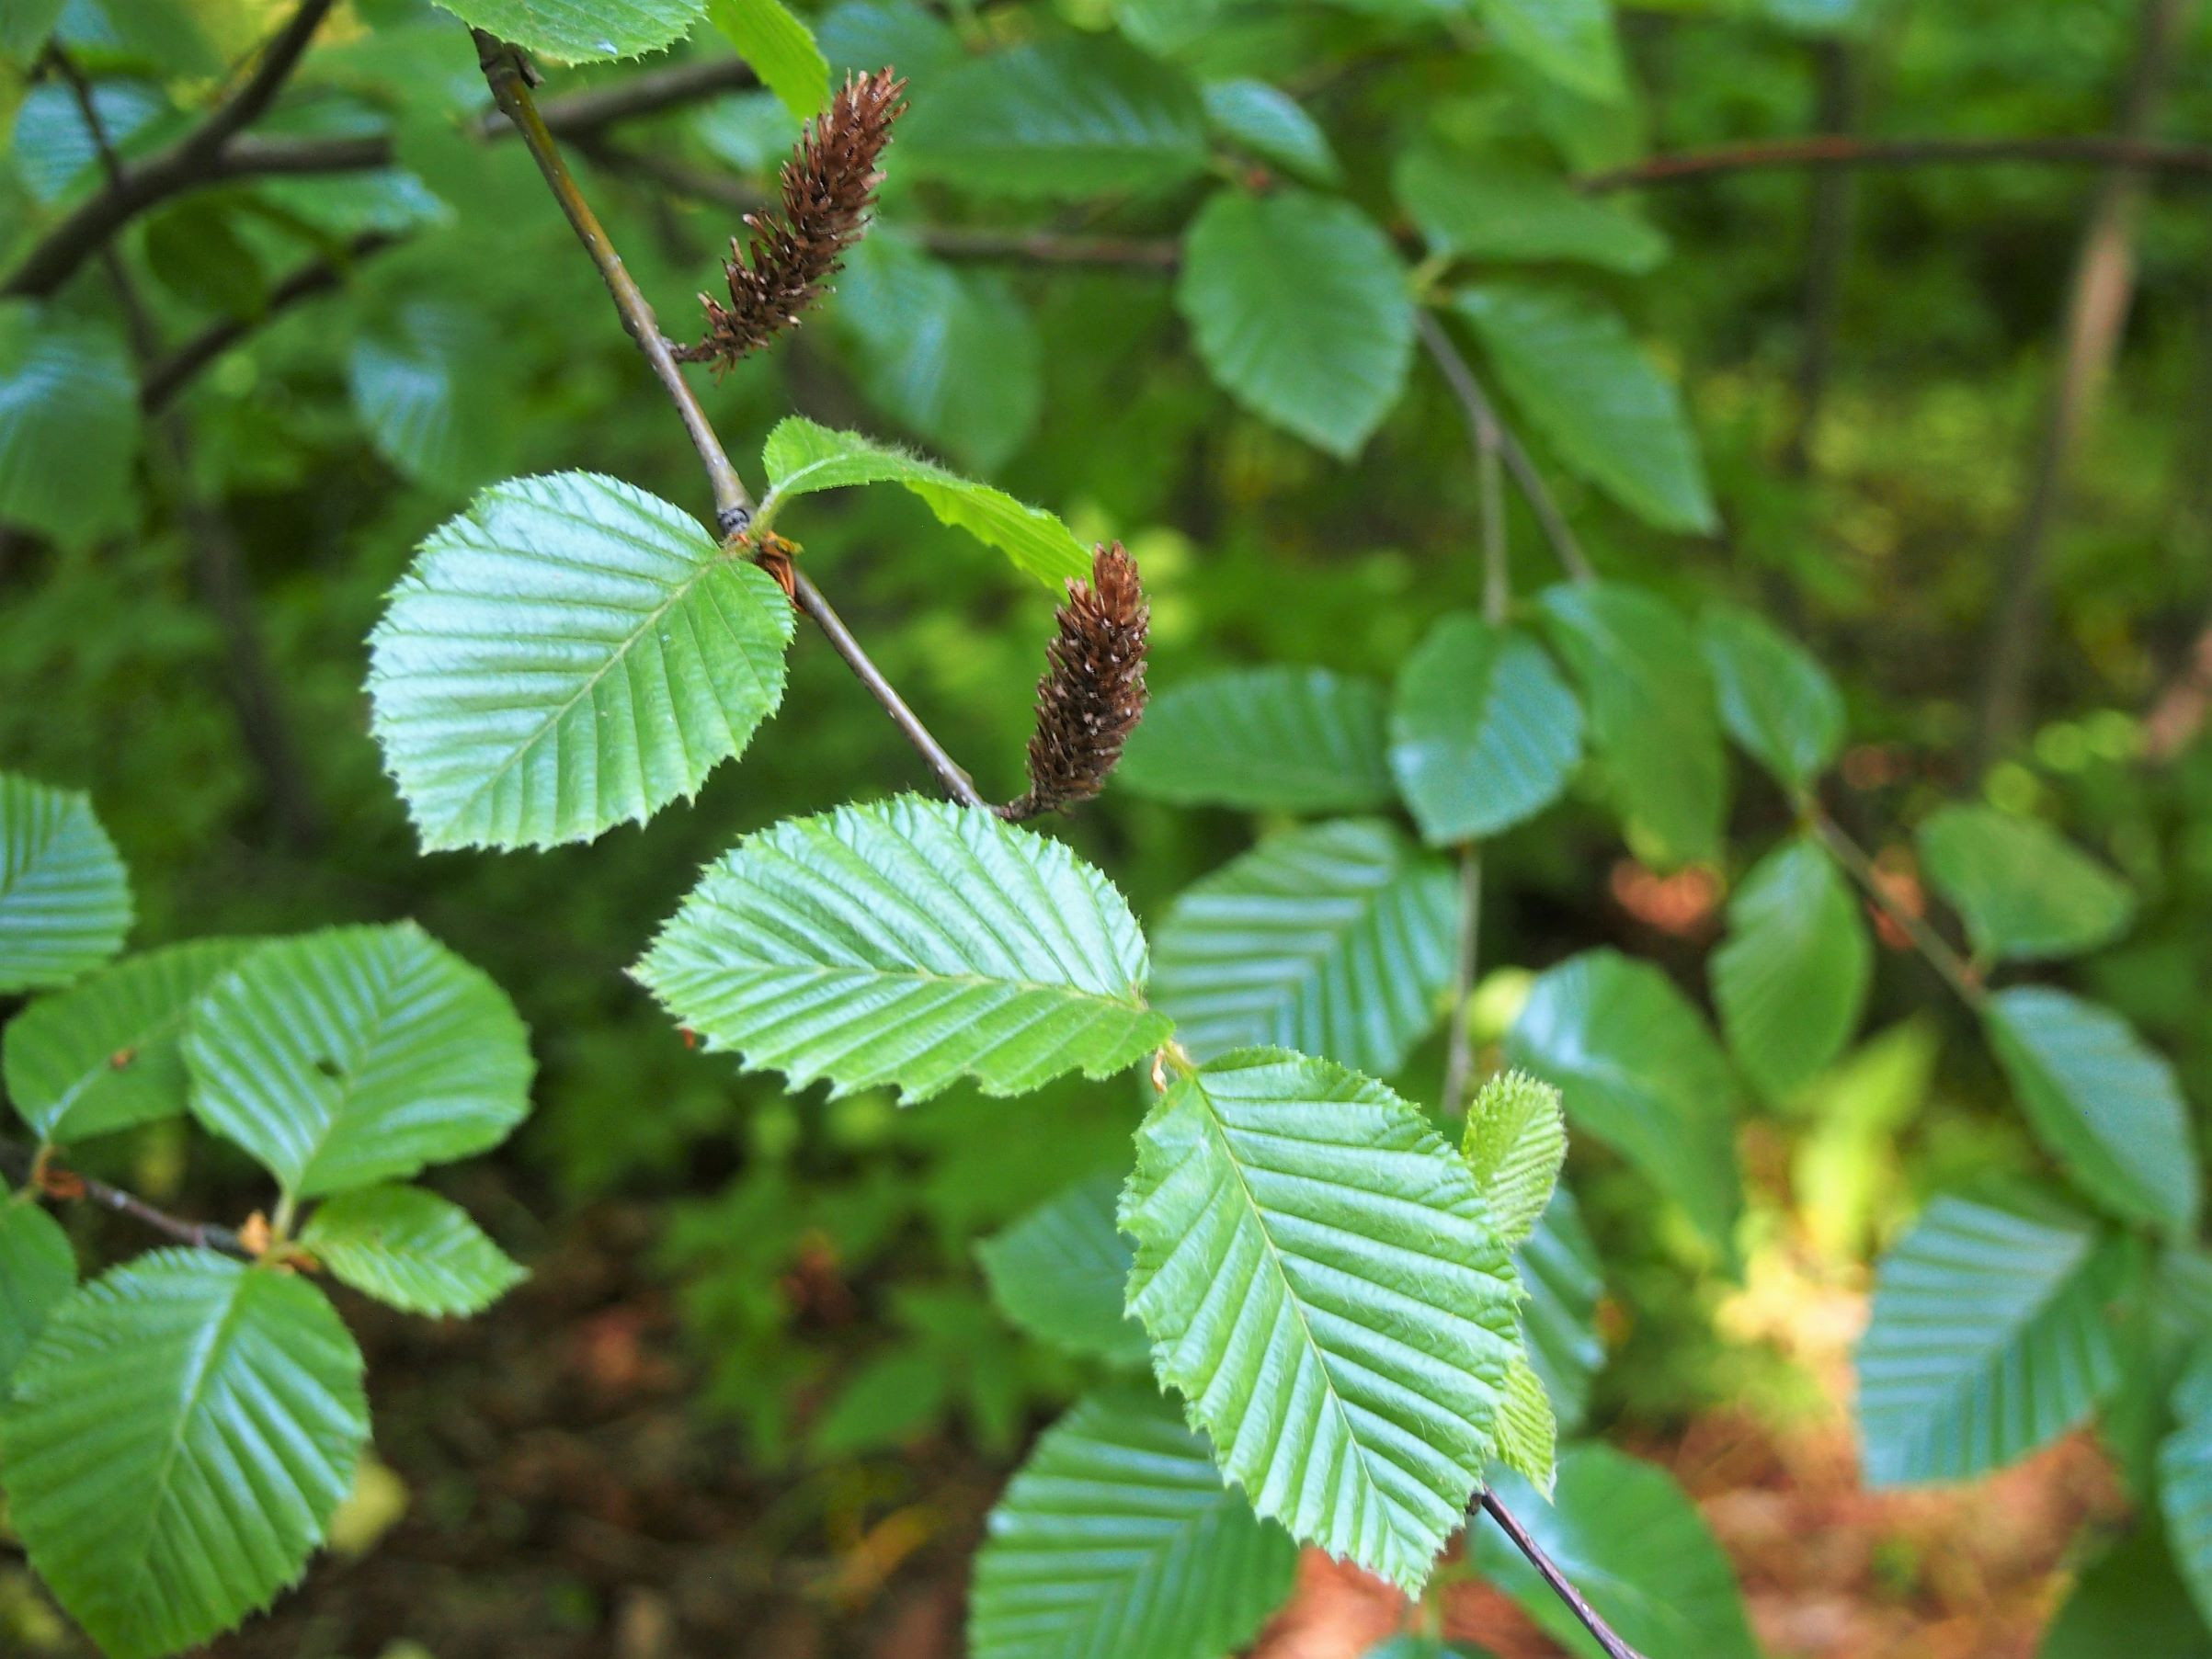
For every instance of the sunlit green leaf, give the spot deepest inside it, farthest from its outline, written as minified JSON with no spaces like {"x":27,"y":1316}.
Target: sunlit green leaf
{"x":781,"y":49}
{"x":1271,"y":126}
{"x":1324,"y":1289}
{"x":1515,"y":1142}
{"x":803,"y":458}
{"x":1059,"y":1273}
{"x":1791,"y":980}
{"x":910,"y":942}
{"x":176,"y":1442}
{"x":2023,"y":891}
{"x":569,"y":655}
{"x":1118,"y":1538}
{"x":1639,"y":1071}
{"x":582,"y":31}
{"x":410,"y":1248}
{"x":1300,"y":308}
{"x":1571,"y":41}
{"x":1528,"y":1434}
{"x":1483,"y":732}
{"x":64,"y":898}
{"x":1483,"y":208}
{"x":1292,"y":740}
{"x":357,"y":1055}
{"x":1774,"y":698}
{"x":1335,"y":939}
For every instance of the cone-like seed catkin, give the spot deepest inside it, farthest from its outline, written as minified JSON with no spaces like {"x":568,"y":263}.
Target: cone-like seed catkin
{"x":828,"y":186}
{"x":1093,"y":690}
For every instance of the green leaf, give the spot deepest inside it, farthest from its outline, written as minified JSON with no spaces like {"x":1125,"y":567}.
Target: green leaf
{"x":423,"y":384}
{"x":1117,"y":1537}
{"x":1483,"y":732}
{"x":1775,"y":699}
{"x":909,"y":942}
{"x":357,"y":1055}
{"x":107,"y":1053}
{"x":1059,"y":1274}
{"x":1571,"y":41}
{"x":1335,"y":939}
{"x":1791,"y":981}
{"x":25,"y":26}
{"x":68,"y":422}
{"x":1324,"y":1287}
{"x":1651,"y":717}
{"x":2021,"y":890}
{"x":2103,"y":1102}
{"x":1528,"y":1434}
{"x":37,"y":1270}
{"x":64,"y":898}
{"x":1299,"y":307}
{"x":1271,"y":126}
{"x":1059,"y":119}
{"x":1480,"y":208}
{"x":1583,"y":383}
{"x":861,"y":36}
{"x":1559,"y":1266}
{"x":1515,"y":1142}
{"x":952,"y":355}
{"x":1629,"y":1538}
{"x":802,"y":459}
{"x":53,"y":149}
{"x":1987,"y":1339}
{"x":197,"y":252}
{"x":582,"y":31}
{"x":569,"y":655}
{"x":1639,"y":1071}
{"x":781,"y":49}
{"x":2128,"y":1600}
{"x":2186,"y":1499}
{"x":410,"y":1248}
{"x":176,"y":1441}
{"x":1287,"y":740}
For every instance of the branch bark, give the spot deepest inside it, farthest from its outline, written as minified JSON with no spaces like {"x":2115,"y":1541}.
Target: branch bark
{"x":2102,"y":288}
{"x":52,"y":1180}
{"x":1957,"y":971}
{"x":2131,"y":154}
{"x":1549,"y":1572}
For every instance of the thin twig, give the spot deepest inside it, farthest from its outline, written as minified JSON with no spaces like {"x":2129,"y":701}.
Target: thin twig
{"x":1481,"y":412}
{"x":503,"y":72}
{"x":55,"y":1181}
{"x":169,"y":376}
{"x":1837,"y":150}
{"x":1957,"y":971}
{"x":809,"y":600}
{"x":1614,"y":1647}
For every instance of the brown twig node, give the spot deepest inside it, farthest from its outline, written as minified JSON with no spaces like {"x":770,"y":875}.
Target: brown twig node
{"x":1092,"y":693}
{"x":828,"y":184}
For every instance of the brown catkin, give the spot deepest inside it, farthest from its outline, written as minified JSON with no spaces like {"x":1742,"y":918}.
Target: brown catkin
{"x":1092,"y":693}
{"x":828,"y":186}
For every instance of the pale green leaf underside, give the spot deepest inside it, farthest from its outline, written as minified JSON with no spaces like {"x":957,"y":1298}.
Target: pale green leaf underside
{"x":1290,"y":739}
{"x":1323,"y":1287}
{"x":1528,"y":1434}
{"x":1334,"y":939}
{"x":1515,"y":1142}
{"x":1791,"y":981}
{"x":1059,"y":118}
{"x":2104,"y":1103}
{"x":108,"y":1052}
{"x":1628,"y":1538}
{"x":910,"y":942}
{"x":37,"y":1269}
{"x":1651,"y":714}
{"x":1639,"y":1071}
{"x":1481,"y":208}
{"x":1299,"y":307}
{"x":1118,"y":1540}
{"x":803,"y":458}
{"x":1775,"y":699}
{"x":582,"y":31}
{"x":2023,"y":891}
{"x":781,"y":49}
{"x":357,"y":1055}
{"x":410,"y":1248}
{"x":1059,"y":1273}
{"x":1572,"y":368}
{"x":1571,"y":41}
{"x":64,"y":898}
{"x":176,"y":1441}
{"x":569,"y":655}
{"x":1484,"y":733}
{"x":1987,"y":1339}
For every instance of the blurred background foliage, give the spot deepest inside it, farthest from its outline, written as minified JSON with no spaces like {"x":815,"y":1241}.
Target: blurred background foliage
{"x":821,"y":1253}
